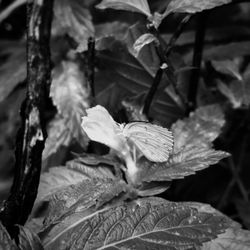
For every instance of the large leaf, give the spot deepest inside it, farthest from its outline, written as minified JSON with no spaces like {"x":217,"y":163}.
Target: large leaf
{"x":136,"y":74}
{"x":142,"y":224}
{"x":73,"y":173}
{"x":13,"y":70}
{"x":140,"y":6}
{"x":193,"y":151}
{"x":193,"y":6}
{"x":74,"y":19}
{"x":89,"y":193}
{"x":232,"y":239}
{"x":71,"y":95}
{"x":182,"y":164}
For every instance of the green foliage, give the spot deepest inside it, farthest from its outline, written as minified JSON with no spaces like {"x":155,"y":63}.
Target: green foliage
{"x":153,"y":223}
{"x":88,"y":197}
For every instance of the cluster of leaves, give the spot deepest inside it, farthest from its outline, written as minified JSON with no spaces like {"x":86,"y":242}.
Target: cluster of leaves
{"x":84,"y":198}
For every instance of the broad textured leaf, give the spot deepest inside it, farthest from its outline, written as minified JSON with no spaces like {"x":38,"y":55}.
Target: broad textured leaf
{"x":136,"y":74}
{"x":193,"y":6}
{"x":28,"y":240}
{"x":74,"y":19}
{"x":193,"y":151}
{"x":142,"y":224}
{"x":56,"y":179}
{"x":71,"y":95}
{"x":228,"y":67}
{"x":93,"y":166}
{"x":6,"y":243}
{"x":13,"y":69}
{"x":201,"y":128}
{"x":82,"y":196}
{"x":140,"y":6}
{"x":232,"y":239}
{"x":181,"y":164}
{"x":73,"y":173}
{"x":58,"y":135}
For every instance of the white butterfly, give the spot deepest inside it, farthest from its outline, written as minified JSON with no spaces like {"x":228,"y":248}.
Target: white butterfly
{"x":153,"y":141}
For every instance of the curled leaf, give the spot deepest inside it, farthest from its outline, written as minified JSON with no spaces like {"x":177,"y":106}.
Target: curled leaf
{"x":142,"y":41}
{"x":140,"y":6}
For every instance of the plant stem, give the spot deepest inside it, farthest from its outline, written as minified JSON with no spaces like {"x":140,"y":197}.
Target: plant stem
{"x":152,"y":91}
{"x":197,"y":58}
{"x":91,"y":64}
{"x":32,"y":133}
{"x":168,"y":68}
{"x":177,"y":33}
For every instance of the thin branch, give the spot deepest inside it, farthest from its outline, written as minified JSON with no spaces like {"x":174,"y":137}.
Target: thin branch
{"x":177,"y":33}
{"x":197,"y":58}
{"x":91,"y":64}
{"x":10,"y":8}
{"x":150,"y":95}
{"x":32,"y":134}
{"x":161,"y":47}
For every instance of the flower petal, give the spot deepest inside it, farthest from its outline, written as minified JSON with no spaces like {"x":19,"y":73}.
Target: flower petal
{"x":101,"y":127}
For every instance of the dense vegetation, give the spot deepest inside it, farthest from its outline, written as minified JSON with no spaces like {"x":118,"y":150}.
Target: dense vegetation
{"x":109,"y":110}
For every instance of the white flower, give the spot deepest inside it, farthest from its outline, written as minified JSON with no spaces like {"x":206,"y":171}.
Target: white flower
{"x":101,"y":127}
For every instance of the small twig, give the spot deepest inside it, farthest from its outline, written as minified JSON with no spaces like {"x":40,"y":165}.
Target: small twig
{"x":177,"y":33}
{"x":161,"y":47}
{"x":152,"y":91}
{"x":8,"y":10}
{"x":32,"y":134}
{"x":91,"y":64}
{"x":197,"y":58}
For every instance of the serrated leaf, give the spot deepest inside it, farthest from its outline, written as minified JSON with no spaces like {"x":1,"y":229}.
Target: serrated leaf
{"x":201,"y":128}
{"x":74,"y":19}
{"x":71,"y":95}
{"x":142,"y":41}
{"x":140,"y":6}
{"x":181,"y":164}
{"x":58,"y":135}
{"x":228,"y":67}
{"x":86,"y":194}
{"x":13,"y":70}
{"x":142,"y":224}
{"x":93,"y":166}
{"x":28,"y":240}
{"x":232,"y":239}
{"x":73,"y":173}
{"x":193,"y":151}
{"x":56,"y":179}
{"x":6,"y":242}
{"x":193,"y":6}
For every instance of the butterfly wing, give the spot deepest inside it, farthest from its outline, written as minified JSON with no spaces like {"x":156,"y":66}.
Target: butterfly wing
{"x":154,"y":141}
